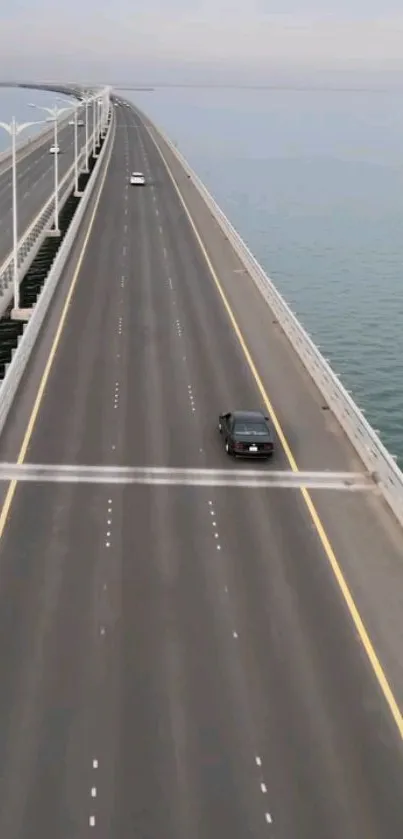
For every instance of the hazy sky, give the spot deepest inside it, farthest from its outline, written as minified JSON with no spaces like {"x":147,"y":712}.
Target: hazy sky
{"x":234,"y":34}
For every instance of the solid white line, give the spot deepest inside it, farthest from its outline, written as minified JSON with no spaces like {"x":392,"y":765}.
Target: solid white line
{"x":161,"y":475}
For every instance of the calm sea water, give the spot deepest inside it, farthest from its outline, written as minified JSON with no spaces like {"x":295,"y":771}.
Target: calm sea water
{"x":313,"y":182}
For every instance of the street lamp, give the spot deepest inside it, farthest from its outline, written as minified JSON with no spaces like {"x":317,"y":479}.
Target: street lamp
{"x":86,"y":99}
{"x":76,"y":106}
{"x":54,"y":115}
{"x":14,"y":129}
{"x":94,"y":127}
{"x":99,"y":119}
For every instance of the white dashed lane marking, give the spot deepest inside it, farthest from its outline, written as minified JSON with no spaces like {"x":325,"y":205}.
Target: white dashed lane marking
{"x":258,"y":760}
{"x":191,"y":398}
{"x":213,"y":517}
{"x":263,"y":789}
{"x":92,"y":818}
{"x":214,"y":525}
{"x":116,"y":397}
{"x":109,"y":527}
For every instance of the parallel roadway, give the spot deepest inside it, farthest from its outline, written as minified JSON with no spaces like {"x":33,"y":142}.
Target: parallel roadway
{"x":35,"y":181}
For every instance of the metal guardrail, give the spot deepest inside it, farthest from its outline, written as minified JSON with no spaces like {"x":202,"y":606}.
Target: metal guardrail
{"x":366,"y":442}
{"x":35,"y":234}
{"x":16,"y":368}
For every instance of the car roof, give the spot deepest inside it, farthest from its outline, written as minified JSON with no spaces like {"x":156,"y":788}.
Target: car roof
{"x":248,"y":415}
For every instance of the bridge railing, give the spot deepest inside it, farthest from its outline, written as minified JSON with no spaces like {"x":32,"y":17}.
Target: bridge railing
{"x":15,"y":370}
{"x":365,"y":440}
{"x":35,"y":234}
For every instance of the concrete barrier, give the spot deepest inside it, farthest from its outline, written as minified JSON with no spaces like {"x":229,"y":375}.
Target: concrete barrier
{"x":21,"y":356}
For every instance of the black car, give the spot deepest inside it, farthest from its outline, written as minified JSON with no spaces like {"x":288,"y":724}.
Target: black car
{"x":246,"y":433}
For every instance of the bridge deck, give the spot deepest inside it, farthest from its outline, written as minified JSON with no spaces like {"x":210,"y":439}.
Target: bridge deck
{"x":183,"y":663}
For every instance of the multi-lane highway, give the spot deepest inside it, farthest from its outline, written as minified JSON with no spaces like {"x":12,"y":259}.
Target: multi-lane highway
{"x":176,"y":661}
{"x":35,"y":181}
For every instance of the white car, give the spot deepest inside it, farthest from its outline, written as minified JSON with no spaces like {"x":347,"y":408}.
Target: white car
{"x":80,"y":123}
{"x":71,"y":122}
{"x":54,"y":150}
{"x":137,"y":179}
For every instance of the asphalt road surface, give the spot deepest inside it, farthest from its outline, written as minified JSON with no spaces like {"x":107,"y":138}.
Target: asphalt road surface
{"x":176,"y":662}
{"x":35,"y":182}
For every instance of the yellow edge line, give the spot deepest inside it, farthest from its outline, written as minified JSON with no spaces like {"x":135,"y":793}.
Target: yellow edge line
{"x":330,"y":554}
{"x":46,"y":373}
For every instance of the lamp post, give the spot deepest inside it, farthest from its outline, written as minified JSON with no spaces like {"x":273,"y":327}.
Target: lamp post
{"x":99,"y":119}
{"x":76,"y":107}
{"x":94,"y":128}
{"x":54,"y":115}
{"x":14,"y":129}
{"x":86,"y":99}
{"x":104,"y":112}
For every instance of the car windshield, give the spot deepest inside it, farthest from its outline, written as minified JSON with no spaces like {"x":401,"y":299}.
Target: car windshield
{"x":250,"y":427}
